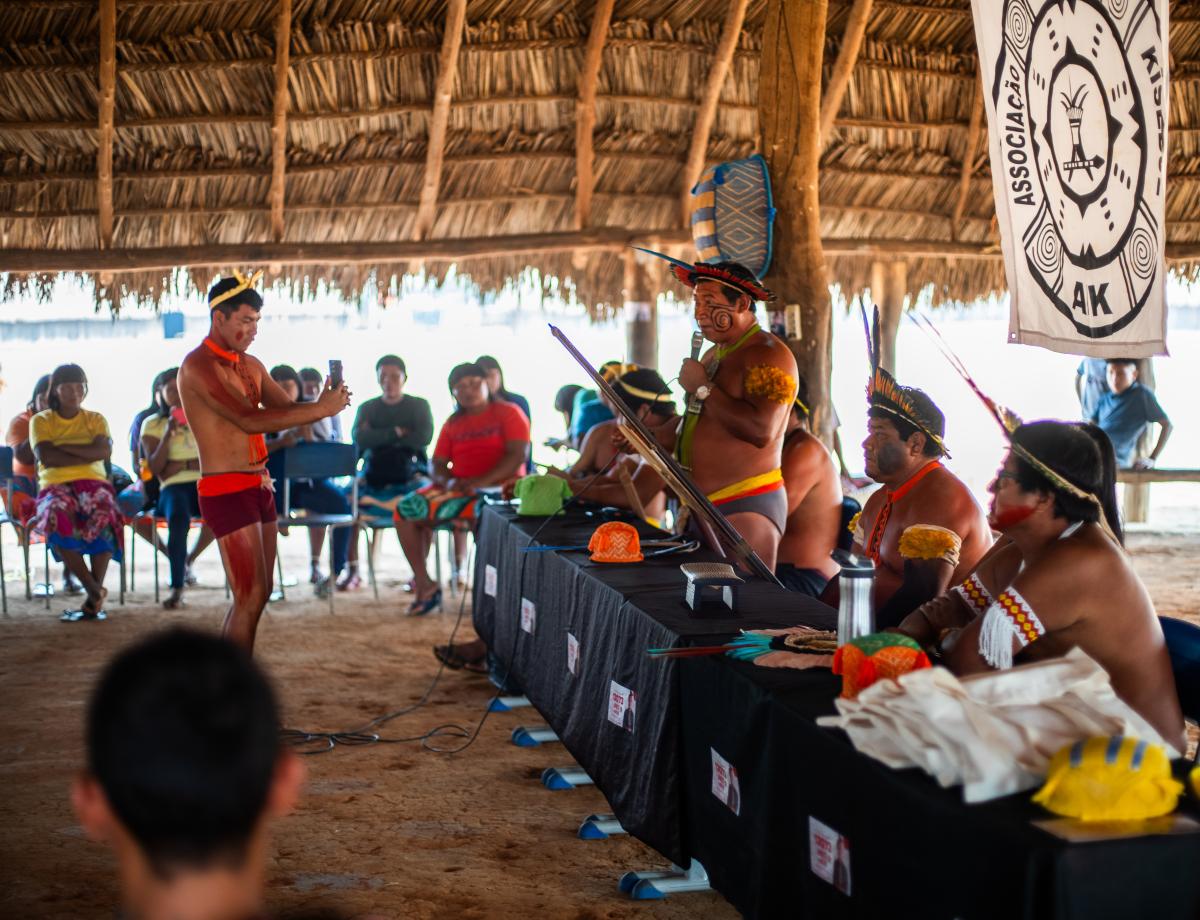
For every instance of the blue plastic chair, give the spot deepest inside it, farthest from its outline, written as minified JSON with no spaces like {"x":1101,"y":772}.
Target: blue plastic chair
{"x":319,"y":460}
{"x":1183,"y":645}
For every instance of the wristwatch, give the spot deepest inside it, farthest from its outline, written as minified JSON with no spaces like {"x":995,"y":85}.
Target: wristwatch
{"x":702,"y":392}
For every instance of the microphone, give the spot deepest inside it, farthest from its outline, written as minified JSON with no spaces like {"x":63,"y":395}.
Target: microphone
{"x":693,"y":407}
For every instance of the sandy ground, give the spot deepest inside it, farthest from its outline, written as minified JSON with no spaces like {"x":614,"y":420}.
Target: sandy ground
{"x":388,"y":830}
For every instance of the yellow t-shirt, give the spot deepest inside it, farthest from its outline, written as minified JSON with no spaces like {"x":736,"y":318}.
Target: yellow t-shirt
{"x":84,"y":428}
{"x":182,"y":447}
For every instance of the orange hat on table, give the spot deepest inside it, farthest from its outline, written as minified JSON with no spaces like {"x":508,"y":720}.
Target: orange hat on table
{"x":615,"y":541}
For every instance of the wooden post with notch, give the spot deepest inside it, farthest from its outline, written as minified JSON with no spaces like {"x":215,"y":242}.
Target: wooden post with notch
{"x":971,"y":153}
{"x":839,"y":79}
{"x":789,"y":106}
{"x":283,"y":40}
{"x":108,"y":97}
{"x":439,"y":116}
{"x":585,"y":112}
{"x":706,"y":114}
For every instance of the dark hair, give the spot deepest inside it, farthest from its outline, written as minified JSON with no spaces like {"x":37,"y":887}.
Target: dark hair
{"x":65,"y":373}
{"x":1133,"y":361}
{"x":394,"y":361}
{"x":282,"y":372}
{"x":458,"y":372}
{"x":906,"y":429}
{"x":43,"y":383}
{"x":250,"y":297}
{"x":311,"y":375}
{"x":564,"y":399}
{"x":488,"y":363}
{"x":183,"y":737}
{"x":1082,"y":455}
{"x":645,"y":380}
{"x":160,"y":381}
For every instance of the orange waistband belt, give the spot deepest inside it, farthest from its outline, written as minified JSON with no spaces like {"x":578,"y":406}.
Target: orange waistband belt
{"x":228,"y":483}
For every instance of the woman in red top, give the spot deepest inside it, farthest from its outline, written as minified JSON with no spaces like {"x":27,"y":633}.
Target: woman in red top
{"x":482,"y":444}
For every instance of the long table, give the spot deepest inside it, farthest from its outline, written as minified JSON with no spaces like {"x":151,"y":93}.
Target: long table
{"x":907,"y":847}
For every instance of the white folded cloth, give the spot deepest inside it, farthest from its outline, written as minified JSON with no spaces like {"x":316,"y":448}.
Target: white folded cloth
{"x":994,"y":733}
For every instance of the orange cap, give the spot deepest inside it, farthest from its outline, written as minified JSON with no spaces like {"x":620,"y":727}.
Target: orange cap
{"x":615,"y":541}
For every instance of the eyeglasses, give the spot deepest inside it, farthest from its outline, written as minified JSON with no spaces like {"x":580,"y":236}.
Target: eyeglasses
{"x":1005,"y":474}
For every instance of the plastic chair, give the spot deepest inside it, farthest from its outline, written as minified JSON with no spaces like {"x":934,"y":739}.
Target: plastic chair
{"x":1183,"y":645}
{"x":322,"y":460}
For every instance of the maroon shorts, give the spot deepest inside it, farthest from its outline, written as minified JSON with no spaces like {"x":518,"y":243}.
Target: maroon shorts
{"x":229,"y":511}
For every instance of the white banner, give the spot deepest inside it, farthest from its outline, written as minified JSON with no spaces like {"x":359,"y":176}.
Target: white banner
{"x":1076,"y":94}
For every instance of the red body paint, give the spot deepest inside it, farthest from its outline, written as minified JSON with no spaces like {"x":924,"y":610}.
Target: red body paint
{"x":1009,"y":518}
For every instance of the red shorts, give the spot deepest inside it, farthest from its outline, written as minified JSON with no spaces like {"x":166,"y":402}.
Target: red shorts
{"x":231,"y":501}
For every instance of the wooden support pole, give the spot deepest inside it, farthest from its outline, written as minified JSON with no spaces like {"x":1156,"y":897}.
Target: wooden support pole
{"x":283,"y":41}
{"x":969,"y":157}
{"x":641,"y":313}
{"x":585,"y":112}
{"x":839,"y":79}
{"x":789,"y":99}
{"x":439,"y":118}
{"x":108,"y":98}
{"x":889,"y":287}
{"x":706,"y":114}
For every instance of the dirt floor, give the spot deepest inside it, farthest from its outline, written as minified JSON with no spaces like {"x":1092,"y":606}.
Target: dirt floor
{"x":383,"y":831}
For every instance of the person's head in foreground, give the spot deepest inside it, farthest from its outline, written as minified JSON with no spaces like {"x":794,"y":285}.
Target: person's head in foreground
{"x":469,"y":387}
{"x":235,"y":307}
{"x":392,"y":376}
{"x":67,"y":390}
{"x":184,"y":774}
{"x":311,"y":384}
{"x":1122,"y":373}
{"x":902,"y":435}
{"x":289,"y":381}
{"x":1070,"y":455}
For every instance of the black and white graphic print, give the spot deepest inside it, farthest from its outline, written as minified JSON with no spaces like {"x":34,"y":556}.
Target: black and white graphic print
{"x":1077,"y":101}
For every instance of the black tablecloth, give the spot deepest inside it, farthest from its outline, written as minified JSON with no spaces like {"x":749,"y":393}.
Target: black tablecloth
{"x":615,"y":612}
{"x":915,"y":850}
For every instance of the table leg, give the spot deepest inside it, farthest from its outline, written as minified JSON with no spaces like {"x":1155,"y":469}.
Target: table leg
{"x":508,"y":703}
{"x":532,"y":736}
{"x":600,"y":827}
{"x":649,"y":886}
{"x":559,"y":778}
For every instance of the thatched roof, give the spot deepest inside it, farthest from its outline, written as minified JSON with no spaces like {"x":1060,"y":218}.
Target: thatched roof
{"x":195,"y":100}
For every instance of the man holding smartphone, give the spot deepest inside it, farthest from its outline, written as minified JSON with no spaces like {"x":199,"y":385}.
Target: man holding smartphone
{"x":231,"y":403}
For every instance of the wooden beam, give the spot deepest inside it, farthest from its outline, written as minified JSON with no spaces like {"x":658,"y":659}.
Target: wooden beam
{"x":439,"y":117}
{"x":279,"y":115}
{"x":104,"y":142}
{"x":706,"y":114}
{"x":969,"y":158}
{"x":839,"y":79}
{"x":608,"y":239}
{"x":585,"y":111}
{"x":197,"y":119}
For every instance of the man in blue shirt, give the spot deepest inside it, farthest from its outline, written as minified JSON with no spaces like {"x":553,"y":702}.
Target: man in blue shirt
{"x":1126,"y":411}
{"x":1091,"y":382}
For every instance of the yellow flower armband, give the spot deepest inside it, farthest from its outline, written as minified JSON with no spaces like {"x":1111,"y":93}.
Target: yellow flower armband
{"x":928,"y":541}
{"x":768,"y":382}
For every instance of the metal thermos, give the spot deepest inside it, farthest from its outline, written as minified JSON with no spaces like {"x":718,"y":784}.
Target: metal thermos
{"x":856,"y":617}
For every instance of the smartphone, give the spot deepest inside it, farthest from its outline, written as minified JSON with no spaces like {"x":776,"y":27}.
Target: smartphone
{"x":177,"y":414}
{"x":335,"y":373}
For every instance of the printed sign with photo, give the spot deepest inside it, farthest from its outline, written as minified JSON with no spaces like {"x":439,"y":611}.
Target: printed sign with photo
{"x":528,"y":615}
{"x":725,"y":783}
{"x":829,"y":855}
{"x":489,"y":580}
{"x":572,"y":655}
{"x":622,"y":705}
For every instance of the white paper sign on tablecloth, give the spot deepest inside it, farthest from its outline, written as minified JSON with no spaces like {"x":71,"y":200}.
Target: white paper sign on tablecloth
{"x":528,"y":615}
{"x":489,"y":580}
{"x":622,"y":706}
{"x":725,"y":784}
{"x":572,"y":655}
{"x":1076,"y":96}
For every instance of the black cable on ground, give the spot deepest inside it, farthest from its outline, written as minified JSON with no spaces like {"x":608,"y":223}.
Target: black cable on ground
{"x":322,"y":742}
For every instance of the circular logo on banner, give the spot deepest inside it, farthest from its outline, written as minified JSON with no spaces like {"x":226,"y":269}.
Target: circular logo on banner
{"x":1080,"y":101}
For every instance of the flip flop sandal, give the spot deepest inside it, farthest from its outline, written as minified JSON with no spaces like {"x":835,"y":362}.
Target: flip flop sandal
{"x":456,"y":662}
{"x":78,"y":616}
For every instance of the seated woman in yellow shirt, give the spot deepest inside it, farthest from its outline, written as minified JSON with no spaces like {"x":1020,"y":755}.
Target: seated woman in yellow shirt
{"x":174,"y":459}
{"x":76,"y":507}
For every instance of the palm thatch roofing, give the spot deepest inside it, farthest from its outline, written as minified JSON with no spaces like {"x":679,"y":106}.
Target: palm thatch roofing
{"x":195,"y":101}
